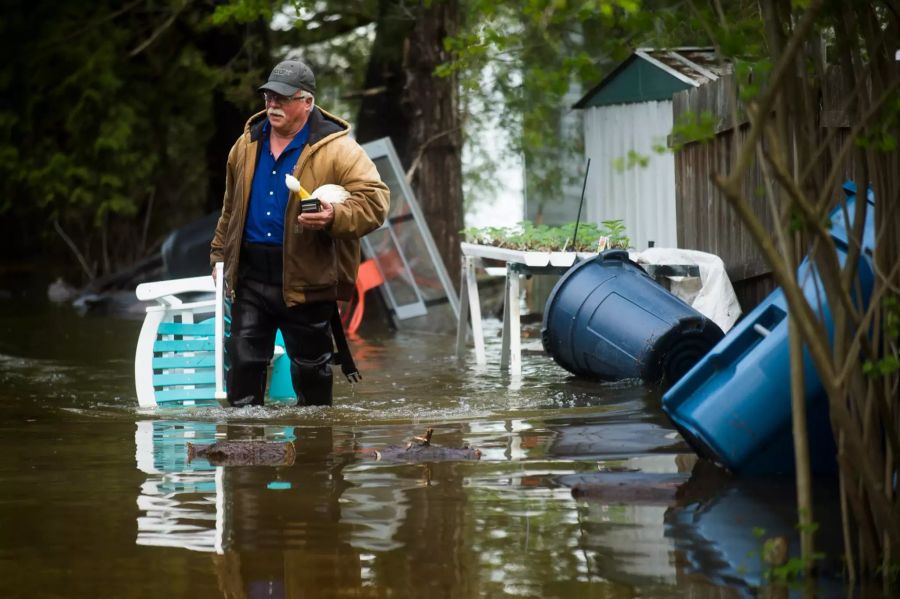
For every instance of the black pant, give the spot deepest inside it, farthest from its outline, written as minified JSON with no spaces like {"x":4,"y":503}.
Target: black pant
{"x":257,"y":312}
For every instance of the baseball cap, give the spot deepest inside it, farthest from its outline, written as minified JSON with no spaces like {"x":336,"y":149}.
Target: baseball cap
{"x":288,"y":77}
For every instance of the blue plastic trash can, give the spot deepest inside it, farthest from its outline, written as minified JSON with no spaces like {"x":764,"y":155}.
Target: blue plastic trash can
{"x":734,"y":406}
{"x":607,"y":319}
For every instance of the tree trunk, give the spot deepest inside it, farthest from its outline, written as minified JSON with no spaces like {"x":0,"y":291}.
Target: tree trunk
{"x":436,"y":136}
{"x":382,"y":112}
{"x":419,"y":111}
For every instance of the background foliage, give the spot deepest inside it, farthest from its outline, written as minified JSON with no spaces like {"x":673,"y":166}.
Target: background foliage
{"x":116,"y":118}
{"x":107,"y":114}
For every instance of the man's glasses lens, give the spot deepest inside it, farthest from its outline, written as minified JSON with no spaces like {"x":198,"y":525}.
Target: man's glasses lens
{"x":278,"y":98}
{"x":273,"y":97}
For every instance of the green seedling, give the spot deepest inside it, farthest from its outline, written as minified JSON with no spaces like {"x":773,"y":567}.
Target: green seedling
{"x":527,"y":236}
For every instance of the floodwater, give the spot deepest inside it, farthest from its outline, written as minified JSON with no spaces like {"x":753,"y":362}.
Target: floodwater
{"x":98,"y":499}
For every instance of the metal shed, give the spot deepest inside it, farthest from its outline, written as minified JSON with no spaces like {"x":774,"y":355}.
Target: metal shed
{"x":626,"y":115}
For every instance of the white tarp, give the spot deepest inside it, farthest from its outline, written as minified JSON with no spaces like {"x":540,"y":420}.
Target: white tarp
{"x":712,"y":294}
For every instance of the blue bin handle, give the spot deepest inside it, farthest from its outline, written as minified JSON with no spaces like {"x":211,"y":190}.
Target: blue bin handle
{"x":620,"y":255}
{"x":725,"y":356}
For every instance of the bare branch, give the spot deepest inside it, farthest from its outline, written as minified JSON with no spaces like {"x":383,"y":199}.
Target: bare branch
{"x":365,"y":93}
{"x":812,"y":332}
{"x":156,"y":33}
{"x":850,"y":143}
{"x":415,"y":163}
{"x":815,"y":221}
{"x":324,"y":31}
{"x":851,"y":360}
{"x":786,"y":250}
{"x":93,"y":24}
{"x":84,"y":265}
{"x":785,"y":64}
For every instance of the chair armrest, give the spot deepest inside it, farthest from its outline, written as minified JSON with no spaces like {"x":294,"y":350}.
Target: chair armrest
{"x":166,"y":291}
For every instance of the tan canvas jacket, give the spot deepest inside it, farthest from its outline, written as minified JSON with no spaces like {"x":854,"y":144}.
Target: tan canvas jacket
{"x":318,"y":265}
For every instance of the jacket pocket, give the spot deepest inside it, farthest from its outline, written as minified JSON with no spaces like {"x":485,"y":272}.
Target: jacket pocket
{"x":310,"y":261}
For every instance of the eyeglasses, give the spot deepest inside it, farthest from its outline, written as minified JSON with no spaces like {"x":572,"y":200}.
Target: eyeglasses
{"x":272,"y":97}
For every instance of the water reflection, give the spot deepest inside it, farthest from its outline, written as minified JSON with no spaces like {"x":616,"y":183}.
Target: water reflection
{"x":554,"y":507}
{"x":183,"y":501}
{"x":337,"y":523}
{"x":697,"y":526}
{"x":260,"y":521}
{"x":376,"y":507}
{"x":178,"y":500}
{"x":720,"y":524}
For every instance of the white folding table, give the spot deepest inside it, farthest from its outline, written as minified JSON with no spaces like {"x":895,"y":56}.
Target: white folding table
{"x":518,"y":263}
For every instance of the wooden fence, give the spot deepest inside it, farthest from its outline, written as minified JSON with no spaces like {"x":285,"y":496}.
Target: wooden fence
{"x":705,"y":220}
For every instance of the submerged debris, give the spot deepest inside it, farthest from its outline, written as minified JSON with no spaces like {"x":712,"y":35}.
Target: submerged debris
{"x":420,"y":449}
{"x":244,"y":453}
{"x":632,"y":488}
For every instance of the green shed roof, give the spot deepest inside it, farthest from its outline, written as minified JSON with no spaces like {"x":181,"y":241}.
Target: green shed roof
{"x":652,"y":75}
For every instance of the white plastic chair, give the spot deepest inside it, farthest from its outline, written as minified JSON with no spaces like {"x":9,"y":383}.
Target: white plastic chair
{"x":180,"y":357}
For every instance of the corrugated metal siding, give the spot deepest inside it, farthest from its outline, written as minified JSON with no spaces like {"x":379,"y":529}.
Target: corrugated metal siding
{"x":643,"y":197}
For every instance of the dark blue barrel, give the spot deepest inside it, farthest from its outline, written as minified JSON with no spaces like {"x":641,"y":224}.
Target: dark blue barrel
{"x":607,"y":319}
{"x":734,"y":406}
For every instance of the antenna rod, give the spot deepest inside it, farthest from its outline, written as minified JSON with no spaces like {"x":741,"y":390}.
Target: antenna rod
{"x":580,"y":204}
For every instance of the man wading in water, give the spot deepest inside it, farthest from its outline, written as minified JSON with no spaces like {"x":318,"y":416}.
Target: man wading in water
{"x":285,"y":267}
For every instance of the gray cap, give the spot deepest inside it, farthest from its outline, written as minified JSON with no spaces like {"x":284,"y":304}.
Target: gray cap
{"x":288,"y":77}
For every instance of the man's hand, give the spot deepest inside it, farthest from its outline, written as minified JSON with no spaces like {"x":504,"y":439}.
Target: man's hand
{"x":317,"y":221}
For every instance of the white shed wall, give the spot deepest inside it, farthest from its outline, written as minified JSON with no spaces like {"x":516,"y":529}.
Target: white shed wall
{"x":643,"y":197}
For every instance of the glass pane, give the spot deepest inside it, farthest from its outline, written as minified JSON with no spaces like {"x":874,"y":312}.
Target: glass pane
{"x":419,"y":260}
{"x":390,"y":261}
{"x":399,"y":205}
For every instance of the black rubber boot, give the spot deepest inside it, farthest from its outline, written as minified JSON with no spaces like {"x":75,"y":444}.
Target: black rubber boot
{"x":307,"y":340}
{"x":312,"y":383}
{"x":250,"y":347}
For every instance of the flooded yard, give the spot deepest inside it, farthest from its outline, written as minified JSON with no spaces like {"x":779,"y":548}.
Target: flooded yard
{"x":582,"y":489}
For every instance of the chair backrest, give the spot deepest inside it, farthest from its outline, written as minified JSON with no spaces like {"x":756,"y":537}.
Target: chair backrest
{"x":180,"y":354}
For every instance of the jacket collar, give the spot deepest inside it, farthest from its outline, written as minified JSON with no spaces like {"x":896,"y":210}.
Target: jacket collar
{"x":322,"y":125}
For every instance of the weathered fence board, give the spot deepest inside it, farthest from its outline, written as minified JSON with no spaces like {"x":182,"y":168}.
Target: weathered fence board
{"x":706,"y":221}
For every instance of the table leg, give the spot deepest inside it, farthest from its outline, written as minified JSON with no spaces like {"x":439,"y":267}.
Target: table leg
{"x":462,"y":323}
{"x":515,"y":327}
{"x":511,"y":345}
{"x":474,"y":309}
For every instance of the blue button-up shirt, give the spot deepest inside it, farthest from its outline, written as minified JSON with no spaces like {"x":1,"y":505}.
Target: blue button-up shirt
{"x":269,"y":194}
